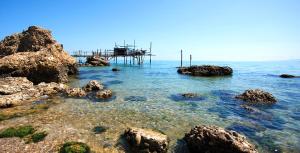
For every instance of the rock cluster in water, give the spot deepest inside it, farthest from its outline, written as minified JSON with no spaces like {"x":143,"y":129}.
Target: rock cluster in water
{"x":206,"y":70}
{"x":287,"y":76}
{"x":97,"y":61}
{"x":147,"y":141}
{"x":19,"y":90}
{"x":36,"y":55}
{"x":204,"y":139}
{"x":104,"y":94}
{"x":257,"y":96}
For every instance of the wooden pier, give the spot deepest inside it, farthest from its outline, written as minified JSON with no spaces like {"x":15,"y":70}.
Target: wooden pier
{"x":129,"y":53}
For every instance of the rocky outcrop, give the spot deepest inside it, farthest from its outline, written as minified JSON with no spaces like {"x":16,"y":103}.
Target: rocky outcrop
{"x":148,"y":141}
{"x":104,"y":94}
{"x":257,"y":96}
{"x":97,"y":61}
{"x":93,"y":85}
{"x":287,"y":76}
{"x":205,"y":70}
{"x":36,"y":55}
{"x":19,"y":90}
{"x":204,"y":139}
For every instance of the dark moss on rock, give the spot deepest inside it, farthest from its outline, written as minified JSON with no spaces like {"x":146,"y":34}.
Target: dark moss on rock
{"x":20,"y":132}
{"x":37,"y":137}
{"x":75,"y":147}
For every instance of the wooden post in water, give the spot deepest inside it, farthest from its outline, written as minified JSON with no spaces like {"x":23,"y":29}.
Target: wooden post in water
{"x":181,"y":59}
{"x":150,"y":52}
{"x":190,"y":60}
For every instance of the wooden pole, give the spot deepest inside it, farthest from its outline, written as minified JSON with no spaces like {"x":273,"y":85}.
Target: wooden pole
{"x":190,"y":60}
{"x":150,"y":52}
{"x":181,"y":59}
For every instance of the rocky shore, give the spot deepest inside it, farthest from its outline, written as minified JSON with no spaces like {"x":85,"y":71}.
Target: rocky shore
{"x":206,"y":70}
{"x":33,"y":68}
{"x":36,"y":55}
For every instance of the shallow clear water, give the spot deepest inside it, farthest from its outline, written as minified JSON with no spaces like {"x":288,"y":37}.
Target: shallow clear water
{"x":146,"y":96}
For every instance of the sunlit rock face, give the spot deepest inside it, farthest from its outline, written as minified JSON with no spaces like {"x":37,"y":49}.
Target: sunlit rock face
{"x":35,"y":54}
{"x":257,"y":96}
{"x":146,"y":140}
{"x":203,"y":139}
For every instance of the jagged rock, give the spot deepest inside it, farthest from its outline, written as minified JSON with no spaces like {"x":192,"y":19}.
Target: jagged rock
{"x":213,"y":139}
{"x":104,"y":94}
{"x":51,"y":88}
{"x":257,"y":96}
{"x":19,"y":90}
{"x":206,"y":70}
{"x":287,"y":76}
{"x":115,"y":69}
{"x":76,"y":92}
{"x":36,"y":55}
{"x":16,"y":91}
{"x":93,"y":85}
{"x":148,"y":141}
{"x":11,"y":85}
{"x":97,"y":61}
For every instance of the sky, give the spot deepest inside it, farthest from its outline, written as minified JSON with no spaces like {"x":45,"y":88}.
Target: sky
{"x":210,"y":30}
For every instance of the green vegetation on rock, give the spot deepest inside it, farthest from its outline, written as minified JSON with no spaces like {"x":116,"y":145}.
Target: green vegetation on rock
{"x":75,"y":147}
{"x":37,"y":137}
{"x":20,"y":132}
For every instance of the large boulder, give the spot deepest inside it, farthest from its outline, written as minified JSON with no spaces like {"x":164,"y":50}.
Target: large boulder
{"x":206,"y":70}
{"x":97,"y":61}
{"x":36,"y":55}
{"x":147,"y":141}
{"x":257,"y":96}
{"x":213,"y":139}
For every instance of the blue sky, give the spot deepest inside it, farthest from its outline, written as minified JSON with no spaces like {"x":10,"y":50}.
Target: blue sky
{"x":227,"y":30}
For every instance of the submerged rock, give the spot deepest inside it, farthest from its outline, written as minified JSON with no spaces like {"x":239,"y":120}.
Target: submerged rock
{"x":36,"y":55}
{"x":287,"y":76}
{"x":115,"y":69}
{"x":204,"y":139}
{"x":206,"y":70}
{"x":93,"y":85}
{"x":97,"y":61}
{"x":257,"y":96}
{"x":147,"y":141}
{"x":104,"y":94}
{"x":189,"y":95}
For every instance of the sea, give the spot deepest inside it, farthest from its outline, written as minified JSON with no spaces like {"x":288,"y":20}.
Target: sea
{"x":148,"y":96}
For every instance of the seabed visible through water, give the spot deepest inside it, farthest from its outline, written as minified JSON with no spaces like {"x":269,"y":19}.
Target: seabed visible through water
{"x":146,"y":97}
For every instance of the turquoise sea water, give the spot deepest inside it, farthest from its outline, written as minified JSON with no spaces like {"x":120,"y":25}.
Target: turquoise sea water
{"x":152,"y":93}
